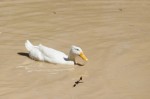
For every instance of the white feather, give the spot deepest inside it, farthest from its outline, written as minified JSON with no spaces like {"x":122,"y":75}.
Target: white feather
{"x":43,"y":53}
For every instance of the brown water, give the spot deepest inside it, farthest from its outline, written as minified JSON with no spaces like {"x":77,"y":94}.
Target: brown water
{"x":114,"y":34}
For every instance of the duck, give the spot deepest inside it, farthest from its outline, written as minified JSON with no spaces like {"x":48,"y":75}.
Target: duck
{"x":46,"y":54}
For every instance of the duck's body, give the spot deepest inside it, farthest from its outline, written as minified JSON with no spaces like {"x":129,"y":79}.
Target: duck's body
{"x":43,"y":53}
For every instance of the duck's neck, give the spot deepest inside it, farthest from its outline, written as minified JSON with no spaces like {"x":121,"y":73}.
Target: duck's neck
{"x":71,"y":57}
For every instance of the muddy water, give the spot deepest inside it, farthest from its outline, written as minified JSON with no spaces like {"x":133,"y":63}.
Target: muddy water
{"x":114,"y":34}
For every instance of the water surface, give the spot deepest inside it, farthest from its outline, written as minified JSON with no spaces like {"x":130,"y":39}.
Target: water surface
{"x":114,"y":34}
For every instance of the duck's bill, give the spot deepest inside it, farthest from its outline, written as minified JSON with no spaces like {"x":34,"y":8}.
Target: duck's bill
{"x":83,"y":56}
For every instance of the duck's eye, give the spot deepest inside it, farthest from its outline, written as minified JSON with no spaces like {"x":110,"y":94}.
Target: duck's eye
{"x":77,"y":49}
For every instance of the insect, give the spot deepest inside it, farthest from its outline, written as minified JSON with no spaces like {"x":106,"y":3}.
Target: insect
{"x":78,"y":81}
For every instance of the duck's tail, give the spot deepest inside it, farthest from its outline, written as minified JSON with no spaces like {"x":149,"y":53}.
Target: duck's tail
{"x":28,"y":45}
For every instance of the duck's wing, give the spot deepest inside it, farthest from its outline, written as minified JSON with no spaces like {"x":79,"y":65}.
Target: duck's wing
{"x":51,"y":53}
{"x":54,"y":56}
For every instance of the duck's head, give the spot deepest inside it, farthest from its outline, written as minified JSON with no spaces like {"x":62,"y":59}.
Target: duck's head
{"x":76,"y":51}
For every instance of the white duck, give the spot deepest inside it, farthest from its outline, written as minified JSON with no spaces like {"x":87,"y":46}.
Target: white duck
{"x":43,"y":53}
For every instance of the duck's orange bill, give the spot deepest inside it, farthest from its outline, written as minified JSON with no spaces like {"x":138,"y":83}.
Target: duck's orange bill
{"x":83,"y":56}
